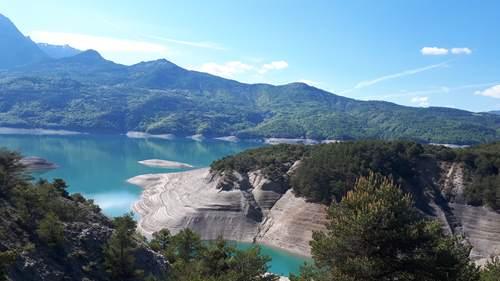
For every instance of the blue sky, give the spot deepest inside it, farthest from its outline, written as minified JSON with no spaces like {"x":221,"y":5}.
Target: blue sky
{"x":412,"y":52}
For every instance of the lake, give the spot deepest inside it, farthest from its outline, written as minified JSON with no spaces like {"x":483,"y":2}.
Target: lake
{"x":97,"y":166}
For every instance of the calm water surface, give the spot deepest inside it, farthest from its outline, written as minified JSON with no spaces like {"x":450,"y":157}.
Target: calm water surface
{"x":98,"y":166}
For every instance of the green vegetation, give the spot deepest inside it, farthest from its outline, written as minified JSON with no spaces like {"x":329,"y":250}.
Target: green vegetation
{"x":482,"y":164}
{"x":331,"y":170}
{"x":66,"y":235}
{"x":117,"y":99}
{"x":375,"y":233}
{"x":7,"y":258}
{"x":44,"y":231}
{"x":328,"y":171}
{"x":88,"y":93}
{"x":51,"y":230}
{"x":118,"y":256}
{"x":192,"y":260}
{"x":491,"y":271}
{"x":273,"y":160}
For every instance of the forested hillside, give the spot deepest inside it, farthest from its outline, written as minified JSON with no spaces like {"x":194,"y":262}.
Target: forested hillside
{"x":85,"y":92}
{"x":328,"y":171}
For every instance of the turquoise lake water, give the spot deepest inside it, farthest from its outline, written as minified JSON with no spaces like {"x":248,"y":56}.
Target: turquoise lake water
{"x":98,"y":166}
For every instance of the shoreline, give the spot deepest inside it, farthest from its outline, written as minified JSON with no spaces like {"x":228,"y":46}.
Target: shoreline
{"x":189,"y":200}
{"x":197,"y":137}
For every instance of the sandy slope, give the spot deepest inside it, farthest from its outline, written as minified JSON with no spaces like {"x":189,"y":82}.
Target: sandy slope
{"x":253,"y":209}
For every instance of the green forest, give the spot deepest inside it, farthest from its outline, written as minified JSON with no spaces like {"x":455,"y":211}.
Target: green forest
{"x":328,"y":171}
{"x":90,"y":94}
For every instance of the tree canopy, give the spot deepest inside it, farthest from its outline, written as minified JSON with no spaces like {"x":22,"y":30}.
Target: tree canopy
{"x":376,"y":234}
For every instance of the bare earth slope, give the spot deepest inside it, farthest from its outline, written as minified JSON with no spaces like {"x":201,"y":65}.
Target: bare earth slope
{"x":252,"y":208}
{"x":480,"y":225}
{"x":239,"y":207}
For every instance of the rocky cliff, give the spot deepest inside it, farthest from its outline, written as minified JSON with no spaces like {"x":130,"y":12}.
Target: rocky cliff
{"x":244,"y":207}
{"x":480,"y":225}
{"x":250,"y":207}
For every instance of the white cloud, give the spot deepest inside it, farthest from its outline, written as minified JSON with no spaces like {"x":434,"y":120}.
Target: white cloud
{"x":493,"y":92}
{"x":232,"y":68}
{"x":433,"y":51}
{"x":274,"y":65}
{"x":461,"y":51}
{"x":99,"y":43}
{"x":228,"y":69}
{"x":421,"y":101}
{"x":437,"y":51}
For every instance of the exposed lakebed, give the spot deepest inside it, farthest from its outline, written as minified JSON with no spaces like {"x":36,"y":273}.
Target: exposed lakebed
{"x":98,"y":166}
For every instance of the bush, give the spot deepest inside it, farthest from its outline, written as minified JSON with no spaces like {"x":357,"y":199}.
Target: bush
{"x":50,"y":230}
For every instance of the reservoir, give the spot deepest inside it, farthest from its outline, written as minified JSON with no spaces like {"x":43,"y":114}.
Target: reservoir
{"x":97,"y":166}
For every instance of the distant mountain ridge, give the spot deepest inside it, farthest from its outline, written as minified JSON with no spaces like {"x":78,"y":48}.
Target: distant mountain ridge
{"x":88,"y":93}
{"x":58,"y":51}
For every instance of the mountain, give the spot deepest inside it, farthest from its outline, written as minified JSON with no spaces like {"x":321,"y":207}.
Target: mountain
{"x":85,"y":92}
{"x":495,"y":112}
{"x":58,"y":51}
{"x":15,"y":48}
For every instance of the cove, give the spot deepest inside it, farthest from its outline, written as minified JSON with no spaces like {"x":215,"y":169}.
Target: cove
{"x":283,"y":263}
{"x":97,"y":166}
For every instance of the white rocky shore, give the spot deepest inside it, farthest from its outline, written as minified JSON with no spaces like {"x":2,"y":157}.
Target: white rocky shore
{"x":36,"y":131}
{"x":143,"y":135}
{"x":37,"y":164}
{"x":158,"y":163}
{"x":239,"y":207}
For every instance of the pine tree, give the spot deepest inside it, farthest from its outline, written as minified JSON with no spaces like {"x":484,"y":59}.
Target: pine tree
{"x":51,"y":230}
{"x":376,"y":234}
{"x":118,"y":252}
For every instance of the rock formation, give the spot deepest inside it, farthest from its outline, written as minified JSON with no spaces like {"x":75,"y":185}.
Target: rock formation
{"x":480,"y":225}
{"x":244,"y":207}
{"x":252,"y":208}
{"x":36,"y":164}
{"x":158,"y":163}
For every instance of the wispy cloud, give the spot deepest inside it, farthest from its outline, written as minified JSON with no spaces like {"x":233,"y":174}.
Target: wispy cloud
{"x":461,"y":51}
{"x":493,"y":92}
{"x":99,"y":43}
{"x":195,"y":44}
{"x":368,"y":83}
{"x":232,"y":68}
{"x":421,"y":101}
{"x":439,"y":51}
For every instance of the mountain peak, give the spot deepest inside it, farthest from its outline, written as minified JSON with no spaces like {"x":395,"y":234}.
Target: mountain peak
{"x":15,"y":48}
{"x":90,"y":54}
{"x":155,"y":63}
